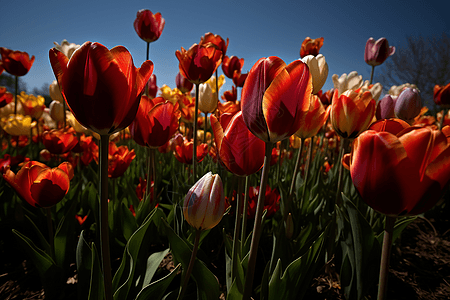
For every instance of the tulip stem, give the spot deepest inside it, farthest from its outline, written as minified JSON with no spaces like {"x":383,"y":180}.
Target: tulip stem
{"x":16,"y":85}
{"x":194,"y":147}
{"x":147,"y":58}
{"x":441,"y":121}
{"x":244,"y":214}
{"x":343,"y":146}
{"x":206,"y":127}
{"x":188,"y":272}
{"x":257,"y":225}
{"x":371,"y":75}
{"x":385,"y":256}
{"x":237,"y":225}
{"x":308,"y":164}
{"x":104,"y":228}
{"x":50,"y":232}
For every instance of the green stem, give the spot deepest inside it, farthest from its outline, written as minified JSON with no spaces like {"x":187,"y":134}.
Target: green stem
{"x":237,"y":226}
{"x":385,"y":256}
{"x":343,"y":146}
{"x":194,"y":148}
{"x":51,"y":236}
{"x":206,"y":127}
{"x":187,"y":275}
{"x":308,"y":164}
{"x":244,"y":214}
{"x":257,"y":228}
{"x":147,"y":58}
{"x":16,"y":85}
{"x":371,"y":75}
{"x":104,"y":228}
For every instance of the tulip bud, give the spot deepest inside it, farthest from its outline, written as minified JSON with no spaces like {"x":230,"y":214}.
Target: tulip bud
{"x":289,"y":229}
{"x":57,"y":111}
{"x":385,"y":107}
{"x":318,"y":68}
{"x":204,"y":204}
{"x":408,"y":105}
{"x":207,"y":101}
{"x":55,"y":92}
{"x":377,"y":52}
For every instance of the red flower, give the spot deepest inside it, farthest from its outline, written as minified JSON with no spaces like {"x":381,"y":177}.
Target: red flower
{"x":9,"y":161}
{"x":81,"y":219}
{"x":216,"y":40}
{"x":59,"y":141}
{"x":199,"y":62}
{"x":311,"y":46}
{"x":441,"y":94}
{"x":155,"y":123}
{"x":231,"y":64}
{"x":149,"y":26}
{"x":89,"y":149}
{"x":5,"y":96}
{"x":119,"y":159}
{"x":184,"y":85}
{"x":40,"y":185}
{"x":102,"y":87}
{"x":241,"y":152}
{"x":271,"y":202}
{"x":152,"y":87}
{"x":16,"y":63}
{"x":184,"y":152}
{"x":239,"y":78}
{"x":376,"y":52}
{"x":400,"y":175}
{"x":274,"y":97}
{"x":230,"y":95}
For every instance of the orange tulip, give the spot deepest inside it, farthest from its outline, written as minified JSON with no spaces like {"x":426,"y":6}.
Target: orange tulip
{"x":5,"y":96}
{"x":393,"y":126}
{"x":155,"y":123}
{"x":119,"y":159}
{"x":184,"y":152}
{"x":241,"y":152}
{"x":102,"y":87}
{"x":40,"y":185}
{"x":311,"y":46}
{"x":199,"y":62}
{"x":400,"y":175}
{"x":16,"y":63}
{"x":351,"y":113}
{"x":216,"y":40}
{"x":274,"y":98}
{"x":59,"y":141}
{"x":313,"y":119}
{"x":231,"y":64}
{"x":441,"y":94}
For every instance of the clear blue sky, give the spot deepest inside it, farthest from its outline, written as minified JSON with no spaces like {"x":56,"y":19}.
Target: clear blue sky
{"x":255,"y":29}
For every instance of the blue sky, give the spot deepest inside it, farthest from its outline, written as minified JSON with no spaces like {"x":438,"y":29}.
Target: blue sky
{"x":255,"y":29}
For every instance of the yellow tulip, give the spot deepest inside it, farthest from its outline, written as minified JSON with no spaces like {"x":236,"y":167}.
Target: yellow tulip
{"x":17,"y":124}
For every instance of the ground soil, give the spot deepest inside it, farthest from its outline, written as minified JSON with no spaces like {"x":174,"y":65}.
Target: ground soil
{"x":419,"y":269}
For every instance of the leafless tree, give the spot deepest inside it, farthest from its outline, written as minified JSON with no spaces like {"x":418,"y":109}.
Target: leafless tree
{"x":424,"y":61}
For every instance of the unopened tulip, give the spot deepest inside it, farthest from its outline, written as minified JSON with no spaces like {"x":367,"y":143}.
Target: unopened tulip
{"x":204,"y":204}
{"x":345,"y":82}
{"x":57,"y":111}
{"x":231,"y":64}
{"x":55,"y":92}
{"x":207,"y":101}
{"x":319,"y":70}
{"x":148,"y":26}
{"x":385,"y":107}
{"x":311,"y":46}
{"x":408,"y":105}
{"x":66,"y":48}
{"x":377,"y":52}
{"x":184,"y":85}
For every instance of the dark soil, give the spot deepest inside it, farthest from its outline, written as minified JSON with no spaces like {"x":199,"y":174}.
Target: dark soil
{"x":419,"y":269}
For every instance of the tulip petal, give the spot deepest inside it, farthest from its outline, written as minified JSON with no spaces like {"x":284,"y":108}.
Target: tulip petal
{"x":217,"y":131}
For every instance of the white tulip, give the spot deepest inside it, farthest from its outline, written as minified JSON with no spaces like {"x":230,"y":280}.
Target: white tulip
{"x":318,"y":68}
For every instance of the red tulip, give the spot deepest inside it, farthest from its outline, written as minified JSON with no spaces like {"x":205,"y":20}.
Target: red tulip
{"x":314,"y":119}
{"x":311,"y":46}
{"x":441,"y":94}
{"x":59,"y":141}
{"x":16,"y":63}
{"x":119,"y":159}
{"x":5,"y":97}
{"x":184,"y":85}
{"x":241,"y":152}
{"x":400,"y":175}
{"x":274,"y":97}
{"x":230,"y":95}
{"x":102,"y":87}
{"x":152,"y":87}
{"x":148,"y":26}
{"x":199,"y":62}
{"x":155,"y":123}
{"x":184,"y":152}
{"x":40,"y":185}
{"x":239,"y":78}
{"x":393,"y":126}
{"x":216,"y":40}
{"x":231,"y":64}
{"x":271,"y":201}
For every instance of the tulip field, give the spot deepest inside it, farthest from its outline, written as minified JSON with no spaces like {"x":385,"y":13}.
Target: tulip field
{"x":120,"y":189}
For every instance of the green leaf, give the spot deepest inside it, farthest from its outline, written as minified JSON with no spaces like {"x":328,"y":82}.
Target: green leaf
{"x":128,"y":222}
{"x":42,"y":240}
{"x":292,"y":284}
{"x":96,"y":289}
{"x":153,"y":263}
{"x":207,"y":284}
{"x":134,"y":257}
{"x":156,"y":290}
{"x":84,"y":266}
{"x":64,"y":236}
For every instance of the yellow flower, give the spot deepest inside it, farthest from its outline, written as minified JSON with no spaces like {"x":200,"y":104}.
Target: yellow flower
{"x":17,"y":124}
{"x":212,"y":82}
{"x":32,"y":105}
